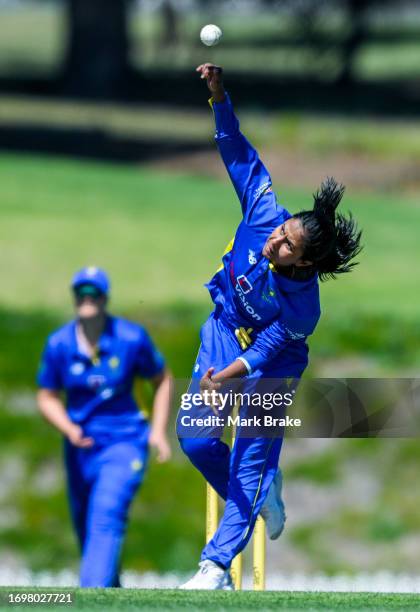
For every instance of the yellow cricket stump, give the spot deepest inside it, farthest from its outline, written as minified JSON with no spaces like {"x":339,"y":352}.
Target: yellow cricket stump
{"x":236,"y":572}
{"x":258,"y":544}
{"x":236,"y":566}
{"x":258,"y":565}
{"x":212,"y":513}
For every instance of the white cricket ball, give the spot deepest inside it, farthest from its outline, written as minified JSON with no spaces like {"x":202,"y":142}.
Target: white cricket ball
{"x":210,"y":35}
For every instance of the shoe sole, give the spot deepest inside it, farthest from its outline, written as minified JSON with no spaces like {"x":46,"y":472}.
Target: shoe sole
{"x":280,"y":505}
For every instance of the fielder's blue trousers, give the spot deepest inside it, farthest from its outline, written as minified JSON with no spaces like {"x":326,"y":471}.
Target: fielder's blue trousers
{"x":102,"y":481}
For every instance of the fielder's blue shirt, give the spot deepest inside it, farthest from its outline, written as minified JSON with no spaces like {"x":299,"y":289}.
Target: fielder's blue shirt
{"x":246,"y":288}
{"x":99,"y":390}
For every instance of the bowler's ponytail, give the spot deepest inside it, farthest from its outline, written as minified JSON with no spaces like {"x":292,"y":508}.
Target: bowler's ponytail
{"x":331,"y":240}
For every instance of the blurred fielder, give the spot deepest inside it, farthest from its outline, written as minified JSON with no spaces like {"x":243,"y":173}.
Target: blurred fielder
{"x":94,"y":360}
{"x":266,"y":299}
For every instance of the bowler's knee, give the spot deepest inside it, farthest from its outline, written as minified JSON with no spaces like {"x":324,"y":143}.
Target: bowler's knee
{"x":195,"y":448}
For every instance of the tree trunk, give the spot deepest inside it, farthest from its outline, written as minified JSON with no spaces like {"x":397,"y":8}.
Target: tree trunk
{"x":356,"y":19}
{"x":170,"y":24}
{"x":97,"y":55}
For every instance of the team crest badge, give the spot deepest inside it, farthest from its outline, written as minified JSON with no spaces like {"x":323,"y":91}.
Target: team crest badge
{"x":113,"y":363}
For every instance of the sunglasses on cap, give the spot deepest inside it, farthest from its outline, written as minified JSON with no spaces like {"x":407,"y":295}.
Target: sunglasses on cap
{"x":82,"y":291}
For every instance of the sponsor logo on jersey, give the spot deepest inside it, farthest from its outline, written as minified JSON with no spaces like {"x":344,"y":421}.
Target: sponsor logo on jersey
{"x":262,"y":189}
{"x":294,"y":335}
{"x":244,"y":284}
{"x":250,"y":310}
{"x":95,"y":381}
{"x":77,"y":368}
{"x":251,"y":257}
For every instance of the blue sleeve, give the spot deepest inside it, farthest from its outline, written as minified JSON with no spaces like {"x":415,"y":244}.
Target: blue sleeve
{"x":248,"y":174}
{"x":49,"y":375}
{"x":149,"y":361}
{"x":271,"y":340}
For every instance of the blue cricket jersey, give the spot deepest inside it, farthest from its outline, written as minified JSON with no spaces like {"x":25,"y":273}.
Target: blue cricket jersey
{"x":246,"y":288}
{"x":99,"y":390}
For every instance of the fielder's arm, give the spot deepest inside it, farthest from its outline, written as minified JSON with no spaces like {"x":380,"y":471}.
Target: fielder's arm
{"x":53,"y":410}
{"x":49,"y":400}
{"x":163,"y":384}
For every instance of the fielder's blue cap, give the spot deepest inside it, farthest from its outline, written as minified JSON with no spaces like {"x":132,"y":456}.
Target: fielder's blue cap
{"x":92,"y":276}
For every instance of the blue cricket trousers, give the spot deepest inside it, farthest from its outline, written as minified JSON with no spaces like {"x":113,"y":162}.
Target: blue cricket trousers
{"x":102,"y":482}
{"x":241,"y":476}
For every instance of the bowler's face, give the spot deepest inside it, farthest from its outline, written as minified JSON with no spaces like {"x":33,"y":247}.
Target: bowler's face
{"x":285,"y":245}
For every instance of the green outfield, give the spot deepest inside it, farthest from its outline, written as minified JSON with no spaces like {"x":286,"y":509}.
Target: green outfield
{"x":159,"y":225}
{"x":160,"y":235}
{"x":157,"y":599}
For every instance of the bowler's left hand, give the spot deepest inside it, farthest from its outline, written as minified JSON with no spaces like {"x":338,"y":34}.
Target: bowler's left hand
{"x":208,"y":384}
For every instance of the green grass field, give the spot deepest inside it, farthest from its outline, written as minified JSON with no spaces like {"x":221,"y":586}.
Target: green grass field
{"x":156,"y":599}
{"x":161,"y":235}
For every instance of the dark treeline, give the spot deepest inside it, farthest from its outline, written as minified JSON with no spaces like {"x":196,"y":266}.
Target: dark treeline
{"x":97,"y":59}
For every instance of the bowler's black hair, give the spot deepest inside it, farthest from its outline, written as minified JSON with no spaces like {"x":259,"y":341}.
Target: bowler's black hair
{"x":331,"y":240}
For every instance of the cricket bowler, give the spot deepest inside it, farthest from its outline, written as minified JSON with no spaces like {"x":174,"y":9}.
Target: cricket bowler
{"x":266,"y":304}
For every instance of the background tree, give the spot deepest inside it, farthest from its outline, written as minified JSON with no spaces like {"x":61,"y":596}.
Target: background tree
{"x":97,"y":54}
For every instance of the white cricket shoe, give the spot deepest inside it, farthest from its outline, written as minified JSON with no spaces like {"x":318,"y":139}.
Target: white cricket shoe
{"x":210,"y":577}
{"x":272,"y":509}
